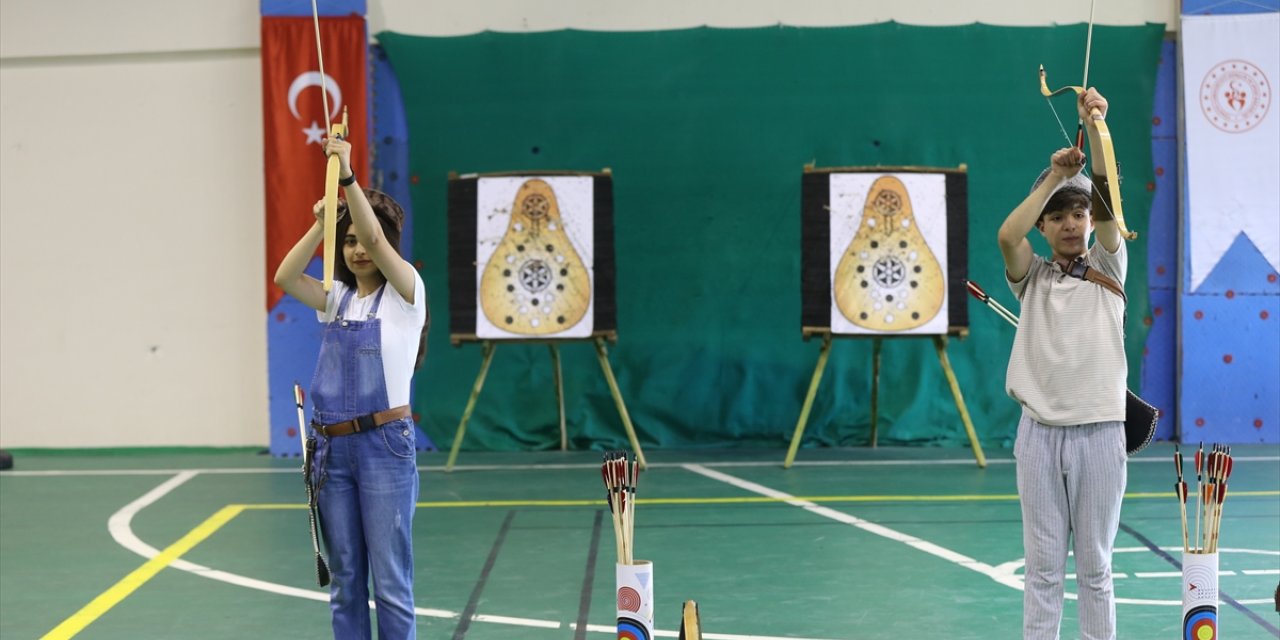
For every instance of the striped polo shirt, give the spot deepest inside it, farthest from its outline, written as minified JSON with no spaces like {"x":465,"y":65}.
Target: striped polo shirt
{"x":1067,"y":366}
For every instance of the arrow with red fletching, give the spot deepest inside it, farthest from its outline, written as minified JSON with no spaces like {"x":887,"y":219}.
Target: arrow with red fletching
{"x":1181,"y":488}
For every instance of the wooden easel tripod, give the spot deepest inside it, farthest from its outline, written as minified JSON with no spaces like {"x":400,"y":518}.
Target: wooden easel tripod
{"x":602,"y":354}
{"x":939,"y":343}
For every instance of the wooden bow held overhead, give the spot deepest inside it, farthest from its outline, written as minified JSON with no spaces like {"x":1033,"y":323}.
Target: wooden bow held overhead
{"x":334,"y":167}
{"x":1107,"y":151}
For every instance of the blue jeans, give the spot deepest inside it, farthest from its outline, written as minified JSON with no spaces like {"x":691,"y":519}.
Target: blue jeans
{"x":368,"y":489}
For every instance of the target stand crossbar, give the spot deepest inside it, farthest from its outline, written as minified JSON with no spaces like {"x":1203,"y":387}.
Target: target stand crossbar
{"x":488,"y":347}
{"x":940,"y":345}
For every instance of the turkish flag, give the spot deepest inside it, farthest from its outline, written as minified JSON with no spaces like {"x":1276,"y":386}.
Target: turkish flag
{"x":294,"y":121}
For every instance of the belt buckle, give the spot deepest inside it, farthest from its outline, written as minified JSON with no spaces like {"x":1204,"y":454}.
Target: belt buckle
{"x":365,"y":423}
{"x":1078,"y":269}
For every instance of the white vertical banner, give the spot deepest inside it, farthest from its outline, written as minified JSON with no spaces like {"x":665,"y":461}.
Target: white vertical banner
{"x":1230,"y":71}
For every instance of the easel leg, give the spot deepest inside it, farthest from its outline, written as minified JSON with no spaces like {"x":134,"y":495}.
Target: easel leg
{"x":617,"y":399}
{"x":555,"y":361}
{"x":875,"y":388}
{"x":808,"y":401}
{"x":489,"y":348}
{"x":940,"y":343}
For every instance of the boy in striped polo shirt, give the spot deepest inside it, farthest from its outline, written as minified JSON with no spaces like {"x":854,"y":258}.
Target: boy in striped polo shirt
{"x":1067,"y":370}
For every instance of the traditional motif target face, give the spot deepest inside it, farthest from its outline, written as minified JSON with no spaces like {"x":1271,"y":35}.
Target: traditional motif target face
{"x":888,"y":248}
{"x":533,"y":257}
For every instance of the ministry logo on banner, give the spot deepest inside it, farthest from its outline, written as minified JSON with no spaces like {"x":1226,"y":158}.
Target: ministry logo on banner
{"x":1235,"y":96}
{"x":1231,"y":64}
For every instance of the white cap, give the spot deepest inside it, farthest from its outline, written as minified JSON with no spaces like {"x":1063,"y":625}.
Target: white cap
{"x":1078,"y":182}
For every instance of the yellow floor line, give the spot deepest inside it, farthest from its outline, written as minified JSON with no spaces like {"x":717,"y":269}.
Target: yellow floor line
{"x":746,"y":500}
{"x":130,"y":583}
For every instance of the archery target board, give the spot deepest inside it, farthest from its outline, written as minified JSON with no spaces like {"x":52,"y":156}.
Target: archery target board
{"x":523,"y":256}
{"x":883,"y":251}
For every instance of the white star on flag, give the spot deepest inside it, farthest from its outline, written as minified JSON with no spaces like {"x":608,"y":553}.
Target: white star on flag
{"x":315,"y":133}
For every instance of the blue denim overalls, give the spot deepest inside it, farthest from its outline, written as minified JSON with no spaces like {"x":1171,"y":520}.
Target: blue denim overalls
{"x":367,"y":483}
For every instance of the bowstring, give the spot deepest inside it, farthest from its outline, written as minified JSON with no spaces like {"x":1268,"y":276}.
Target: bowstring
{"x":324,"y":90}
{"x":1061,"y":127}
{"x":1088,"y":45}
{"x":1092,"y":183}
{"x":1088,"y":48}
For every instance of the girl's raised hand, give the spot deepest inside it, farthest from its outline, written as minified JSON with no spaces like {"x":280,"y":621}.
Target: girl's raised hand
{"x":318,"y":211}
{"x":343,"y":149}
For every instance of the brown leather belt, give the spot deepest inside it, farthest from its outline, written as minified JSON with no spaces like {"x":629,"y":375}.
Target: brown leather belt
{"x":363,"y":423}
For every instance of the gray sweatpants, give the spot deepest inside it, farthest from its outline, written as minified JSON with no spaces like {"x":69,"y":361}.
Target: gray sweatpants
{"x":1070,"y":482}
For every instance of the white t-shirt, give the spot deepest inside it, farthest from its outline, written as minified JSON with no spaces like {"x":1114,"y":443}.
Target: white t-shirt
{"x":401,"y":328}
{"x":1068,"y":365}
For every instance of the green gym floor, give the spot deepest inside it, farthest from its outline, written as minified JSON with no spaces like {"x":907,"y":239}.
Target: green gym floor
{"x":848,"y":543}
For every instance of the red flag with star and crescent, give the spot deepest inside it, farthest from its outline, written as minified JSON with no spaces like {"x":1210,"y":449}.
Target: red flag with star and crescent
{"x":294,"y":122}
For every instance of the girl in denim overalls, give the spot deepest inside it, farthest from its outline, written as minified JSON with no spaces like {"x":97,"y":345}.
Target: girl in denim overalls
{"x":365,"y":468}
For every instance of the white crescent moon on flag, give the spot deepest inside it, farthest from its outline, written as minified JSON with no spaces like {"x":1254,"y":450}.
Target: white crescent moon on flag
{"x":312,"y":79}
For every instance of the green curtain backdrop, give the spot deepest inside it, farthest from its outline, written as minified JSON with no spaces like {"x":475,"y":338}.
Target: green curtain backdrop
{"x":707,"y":131}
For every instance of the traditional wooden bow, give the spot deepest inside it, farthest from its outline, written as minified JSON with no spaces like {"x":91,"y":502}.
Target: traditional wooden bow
{"x":1104,"y":135}
{"x":334,"y":167}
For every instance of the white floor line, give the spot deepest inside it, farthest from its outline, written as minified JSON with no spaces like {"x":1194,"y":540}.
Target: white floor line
{"x":1005,"y":574}
{"x":120,"y":527}
{"x":995,"y":573}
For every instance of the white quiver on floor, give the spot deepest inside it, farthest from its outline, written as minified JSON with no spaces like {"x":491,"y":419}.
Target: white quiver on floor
{"x":635,"y":600}
{"x":1200,"y":596}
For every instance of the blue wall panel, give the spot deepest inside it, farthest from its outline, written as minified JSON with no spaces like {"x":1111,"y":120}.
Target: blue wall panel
{"x":1243,"y":270}
{"x":1160,"y":360}
{"x":303,"y":7}
{"x":293,"y":342}
{"x":1231,"y":352}
{"x":1221,"y":7}
{"x":1160,"y":356}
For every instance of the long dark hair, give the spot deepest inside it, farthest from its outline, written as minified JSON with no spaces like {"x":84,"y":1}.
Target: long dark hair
{"x":390,"y":217}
